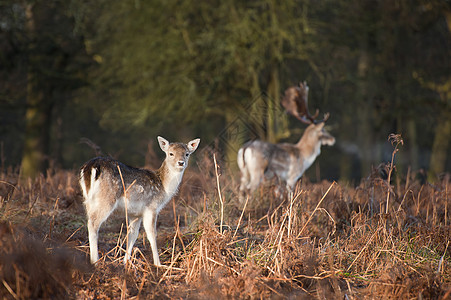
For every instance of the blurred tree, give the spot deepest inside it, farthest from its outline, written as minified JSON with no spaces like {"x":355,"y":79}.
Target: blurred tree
{"x":375,"y":48}
{"x":442,"y":138}
{"x":172,"y":62}
{"x":185,"y":67}
{"x":46,"y":55}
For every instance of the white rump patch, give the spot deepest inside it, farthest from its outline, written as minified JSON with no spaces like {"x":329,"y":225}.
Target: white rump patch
{"x":95,"y":184}
{"x":82,"y":184}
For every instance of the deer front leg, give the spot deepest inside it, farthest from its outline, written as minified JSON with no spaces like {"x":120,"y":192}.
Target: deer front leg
{"x":291,"y":184}
{"x":133,"y":232}
{"x":150,"y":225}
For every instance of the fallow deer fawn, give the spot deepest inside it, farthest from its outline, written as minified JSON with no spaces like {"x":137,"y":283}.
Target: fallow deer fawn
{"x":258,"y":159}
{"x":146,"y":193}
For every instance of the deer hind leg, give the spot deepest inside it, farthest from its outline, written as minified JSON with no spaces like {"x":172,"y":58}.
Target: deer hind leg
{"x":244,"y":184}
{"x":133,"y":232}
{"x":150,"y":226}
{"x":97,"y":214}
{"x":249,"y":183}
{"x":255,"y":181}
{"x":244,"y":174}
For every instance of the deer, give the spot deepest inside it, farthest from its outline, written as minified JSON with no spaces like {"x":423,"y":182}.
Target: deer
{"x":287,"y":162}
{"x":108,"y":184}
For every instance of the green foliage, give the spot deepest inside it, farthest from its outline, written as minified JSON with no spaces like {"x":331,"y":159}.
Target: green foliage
{"x":181,"y":61}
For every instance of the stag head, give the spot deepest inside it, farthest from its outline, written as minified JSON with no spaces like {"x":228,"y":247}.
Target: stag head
{"x":295,"y":103}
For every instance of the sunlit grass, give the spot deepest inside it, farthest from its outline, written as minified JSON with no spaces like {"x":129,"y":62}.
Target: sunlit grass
{"x":328,"y":241}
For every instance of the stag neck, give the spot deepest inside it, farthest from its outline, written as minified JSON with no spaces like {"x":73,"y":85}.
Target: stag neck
{"x":308,"y":144}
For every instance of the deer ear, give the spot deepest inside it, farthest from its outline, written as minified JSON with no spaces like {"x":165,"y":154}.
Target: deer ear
{"x":164,"y":144}
{"x":192,"y":145}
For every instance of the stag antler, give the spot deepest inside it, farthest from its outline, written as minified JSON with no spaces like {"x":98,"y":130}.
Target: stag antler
{"x":295,"y":102}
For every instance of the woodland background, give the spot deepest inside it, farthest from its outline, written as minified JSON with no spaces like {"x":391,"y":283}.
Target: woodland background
{"x":119,"y":73}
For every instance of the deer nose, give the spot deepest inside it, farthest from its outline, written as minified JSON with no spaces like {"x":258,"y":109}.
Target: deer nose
{"x":181,"y":163}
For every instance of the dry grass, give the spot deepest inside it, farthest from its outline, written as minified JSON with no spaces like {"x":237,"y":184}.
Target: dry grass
{"x":330,"y":241}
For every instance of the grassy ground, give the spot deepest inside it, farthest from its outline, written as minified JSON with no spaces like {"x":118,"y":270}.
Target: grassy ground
{"x":329,"y":241}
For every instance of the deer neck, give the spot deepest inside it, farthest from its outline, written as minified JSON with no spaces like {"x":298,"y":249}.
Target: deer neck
{"x":170,"y":179}
{"x":309,"y":149}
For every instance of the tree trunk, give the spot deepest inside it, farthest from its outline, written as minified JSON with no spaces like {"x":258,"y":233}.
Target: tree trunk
{"x":37,"y":130}
{"x":440,"y":148}
{"x":233,"y":139}
{"x":443,"y":130}
{"x":347,"y":157}
{"x":38,"y":111}
{"x":364,"y":133}
{"x":270,"y":104}
{"x":413,"y":141}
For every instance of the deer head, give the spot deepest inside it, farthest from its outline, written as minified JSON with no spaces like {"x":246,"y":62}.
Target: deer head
{"x":295,"y":102}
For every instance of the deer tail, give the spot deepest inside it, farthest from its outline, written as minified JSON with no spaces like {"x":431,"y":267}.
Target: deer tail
{"x":241,"y":159}
{"x":89,"y":174}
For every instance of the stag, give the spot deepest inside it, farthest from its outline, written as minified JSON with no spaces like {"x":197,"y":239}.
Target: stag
{"x":258,"y":160}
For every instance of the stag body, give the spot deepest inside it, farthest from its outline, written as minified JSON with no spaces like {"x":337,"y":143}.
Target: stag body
{"x":146,"y":192}
{"x":287,"y":162}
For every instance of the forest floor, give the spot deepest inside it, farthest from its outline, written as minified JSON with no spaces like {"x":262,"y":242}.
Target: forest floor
{"x":328,"y":241}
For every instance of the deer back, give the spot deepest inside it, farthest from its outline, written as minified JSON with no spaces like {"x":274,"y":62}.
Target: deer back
{"x":101,"y":179}
{"x":273,"y":159}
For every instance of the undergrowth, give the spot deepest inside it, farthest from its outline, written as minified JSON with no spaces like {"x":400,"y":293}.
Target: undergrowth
{"x":329,"y":241}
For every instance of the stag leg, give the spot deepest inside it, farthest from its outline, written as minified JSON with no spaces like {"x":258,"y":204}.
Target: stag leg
{"x":255,"y":181}
{"x":249,"y":185}
{"x":244,"y":185}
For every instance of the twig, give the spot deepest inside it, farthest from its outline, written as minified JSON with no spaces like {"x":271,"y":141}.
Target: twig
{"x":316,"y":208}
{"x":222,"y":265}
{"x":29,"y":210}
{"x":394,"y":139}
{"x":74,"y":233}
{"x":446,"y":204}
{"x":169,"y":268}
{"x":126,"y":212}
{"x":290,"y":216}
{"x":219,"y":193}
{"x":330,"y":217}
{"x":53,"y":217}
{"x":10,"y":290}
{"x":361,"y":251}
{"x":10,"y":184}
{"x":239,"y":221}
{"x":177,"y":227}
{"x":440,"y":263}
{"x":273,"y":290}
{"x":124,"y":289}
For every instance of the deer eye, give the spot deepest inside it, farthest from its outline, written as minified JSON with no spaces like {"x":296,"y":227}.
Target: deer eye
{"x":187,"y":154}
{"x":171,"y":154}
